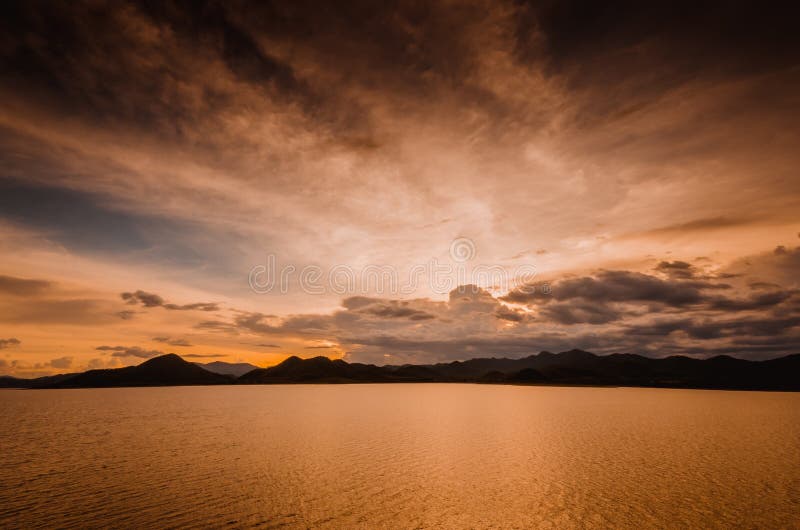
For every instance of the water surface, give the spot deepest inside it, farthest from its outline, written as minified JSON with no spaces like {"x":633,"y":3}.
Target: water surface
{"x":408,"y":456}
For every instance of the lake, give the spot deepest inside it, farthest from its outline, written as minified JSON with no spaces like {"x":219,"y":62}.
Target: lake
{"x":399,"y":456}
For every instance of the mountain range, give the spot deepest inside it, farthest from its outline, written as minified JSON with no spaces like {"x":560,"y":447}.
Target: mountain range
{"x":234,"y":369}
{"x":574,"y":367}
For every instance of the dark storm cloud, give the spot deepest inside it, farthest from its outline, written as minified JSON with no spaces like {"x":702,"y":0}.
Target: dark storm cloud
{"x":706,"y":328}
{"x":659,"y":327}
{"x":506,"y":313}
{"x":232,"y":34}
{"x":634,"y":64}
{"x":609,"y":296}
{"x":246,"y":58}
{"x":396,"y":311}
{"x":753,"y":338}
{"x":63,"y":51}
{"x":580,"y":313}
{"x":759,"y":327}
{"x":676,"y":269}
{"x":468,"y":302}
{"x":763,"y":346}
{"x":610,"y":44}
{"x":385,"y":308}
{"x":619,"y":286}
{"x":396,"y":44}
{"x":612,"y":311}
{"x":125,"y":62}
{"x":294,"y":324}
{"x":753,"y":302}
{"x":137,"y":65}
{"x":749,"y":351}
{"x":153,"y":300}
{"x":463,"y":348}
{"x":94,"y":60}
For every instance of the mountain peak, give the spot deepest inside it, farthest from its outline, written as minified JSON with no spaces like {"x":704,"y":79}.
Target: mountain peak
{"x":576,"y":351}
{"x":224,"y":368}
{"x":164,"y":370}
{"x":166,"y":358}
{"x":294,"y":359}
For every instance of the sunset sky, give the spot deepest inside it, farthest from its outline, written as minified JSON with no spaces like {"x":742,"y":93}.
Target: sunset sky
{"x":642,"y":158}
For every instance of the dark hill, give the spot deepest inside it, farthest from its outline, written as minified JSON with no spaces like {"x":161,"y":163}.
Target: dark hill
{"x":234,"y":369}
{"x":6,"y":381}
{"x":574,"y":367}
{"x":325,"y":370}
{"x":316,"y":370}
{"x":166,"y":370}
{"x":583,"y":368}
{"x":38,"y":382}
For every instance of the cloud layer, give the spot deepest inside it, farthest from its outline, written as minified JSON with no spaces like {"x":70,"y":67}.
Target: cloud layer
{"x":640,"y":156}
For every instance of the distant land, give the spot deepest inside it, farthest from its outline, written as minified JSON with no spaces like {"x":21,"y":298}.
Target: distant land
{"x":575,"y":367}
{"x":234,"y":369}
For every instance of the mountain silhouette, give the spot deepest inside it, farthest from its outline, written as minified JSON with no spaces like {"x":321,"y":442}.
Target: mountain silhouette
{"x":6,"y":381}
{"x":577,"y":367}
{"x":15,"y":382}
{"x":223,"y":368}
{"x":574,"y":367}
{"x":165,"y":370}
{"x":317,"y":369}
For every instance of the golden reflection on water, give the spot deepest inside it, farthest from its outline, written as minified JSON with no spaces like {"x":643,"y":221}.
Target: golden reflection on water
{"x":408,"y":456}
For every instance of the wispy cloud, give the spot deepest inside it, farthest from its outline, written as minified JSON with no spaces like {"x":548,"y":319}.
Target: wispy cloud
{"x":173,"y":341}
{"x":154,"y":300}
{"x":8,"y":343}
{"x":130,"y":351}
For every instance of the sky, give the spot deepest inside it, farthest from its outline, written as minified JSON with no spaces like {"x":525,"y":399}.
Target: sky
{"x":396,"y":182}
